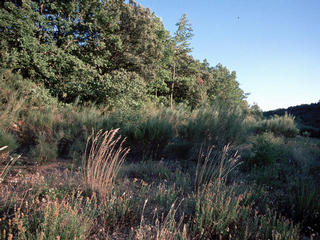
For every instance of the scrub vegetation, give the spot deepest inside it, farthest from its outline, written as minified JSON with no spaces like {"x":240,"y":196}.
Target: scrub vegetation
{"x":110,"y":129}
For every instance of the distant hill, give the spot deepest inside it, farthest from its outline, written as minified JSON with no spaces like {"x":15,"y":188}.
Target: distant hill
{"x":306,"y":115}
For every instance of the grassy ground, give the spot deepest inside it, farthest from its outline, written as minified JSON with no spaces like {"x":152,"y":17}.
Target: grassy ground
{"x":212,"y":198}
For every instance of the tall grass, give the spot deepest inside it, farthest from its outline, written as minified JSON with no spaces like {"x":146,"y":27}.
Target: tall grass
{"x":214,"y":167}
{"x":225,"y":211}
{"x":102,"y":160}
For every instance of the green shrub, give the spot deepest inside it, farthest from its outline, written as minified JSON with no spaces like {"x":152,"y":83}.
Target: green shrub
{"x":150,"y":136}
{"x":283,"y":125}
{"x":265,"y":151}
{"x":8,"y":139}
{"x":10,"y":105}
{"x":45,"y":150}
{"x":148,"y":131}
{"x":76,"y":125}
{"x":215,"y":126}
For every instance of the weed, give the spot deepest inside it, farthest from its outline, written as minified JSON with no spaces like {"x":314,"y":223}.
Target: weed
{"x":214,"y":167}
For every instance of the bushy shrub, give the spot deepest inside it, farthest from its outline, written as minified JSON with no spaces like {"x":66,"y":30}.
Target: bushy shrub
{"x":279,"y":125}
{"x":152,"y":134}
{"x":148,"y":131}
{"x":45,"y":150}
{"x":214,"y":125}
{"x":55,"y":220}
{"x":8,"y":139}
{"x":74,"y":128}
{"x":265,"y":151}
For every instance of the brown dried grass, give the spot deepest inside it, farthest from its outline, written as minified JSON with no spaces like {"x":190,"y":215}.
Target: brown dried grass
{"x":102,"y":160}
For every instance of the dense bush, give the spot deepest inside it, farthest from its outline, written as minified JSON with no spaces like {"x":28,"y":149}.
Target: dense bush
{"x":148,"y":131}
{"x":45,"y":150}
{"x":283,"y":125}
{"x":8,"y":139}
{"x":266,"y":150}
{"x":217,"y":125}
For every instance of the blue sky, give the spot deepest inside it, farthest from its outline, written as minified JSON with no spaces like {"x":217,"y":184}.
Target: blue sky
{"x":273,"y":45}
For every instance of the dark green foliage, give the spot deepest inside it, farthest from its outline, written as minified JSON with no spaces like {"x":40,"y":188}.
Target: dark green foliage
{"x":44,"y":151}
{"x":8,"y":139}
{"x":75,"y":54}
{"x":146,"y":132}
{"x":114,"y":53}
{"x":265,"y":151}
{"x":217,"y":125}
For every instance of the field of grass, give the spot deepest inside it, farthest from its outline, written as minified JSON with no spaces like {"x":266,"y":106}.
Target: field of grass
{"x":82,"y":172}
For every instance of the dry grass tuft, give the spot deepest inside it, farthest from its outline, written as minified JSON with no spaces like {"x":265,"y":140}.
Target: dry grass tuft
{"x":215,"y":167}
{"x":165,"y":228}
{"x":102,"y":161}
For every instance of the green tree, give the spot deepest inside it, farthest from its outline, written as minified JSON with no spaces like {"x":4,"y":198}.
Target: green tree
{"x":181,"y":48}
{"x":224,"y":87}
{"x":74,"y":47}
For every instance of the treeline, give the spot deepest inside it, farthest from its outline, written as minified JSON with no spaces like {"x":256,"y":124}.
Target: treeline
{"x":116,"y":53}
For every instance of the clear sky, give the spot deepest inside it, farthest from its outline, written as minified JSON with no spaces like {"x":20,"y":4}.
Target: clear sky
{"x":273,"y":45}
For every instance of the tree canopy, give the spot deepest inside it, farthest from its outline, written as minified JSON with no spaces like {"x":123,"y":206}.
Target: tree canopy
{"x":109,"y":52}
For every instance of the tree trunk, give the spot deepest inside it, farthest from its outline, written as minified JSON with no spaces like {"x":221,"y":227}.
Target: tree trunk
{"x":172,"y":85}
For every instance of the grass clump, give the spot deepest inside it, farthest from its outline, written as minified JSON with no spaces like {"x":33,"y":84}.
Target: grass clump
{"x":304,"y":205}
{"x":102,"y":160}
{"x":227,"y":212}
{"x":165,"y":227}
{"x":223,"y":211}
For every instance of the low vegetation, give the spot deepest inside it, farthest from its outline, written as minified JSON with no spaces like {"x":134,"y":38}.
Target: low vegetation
{"x":193,"y":174}
{"x":80,"y":86}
